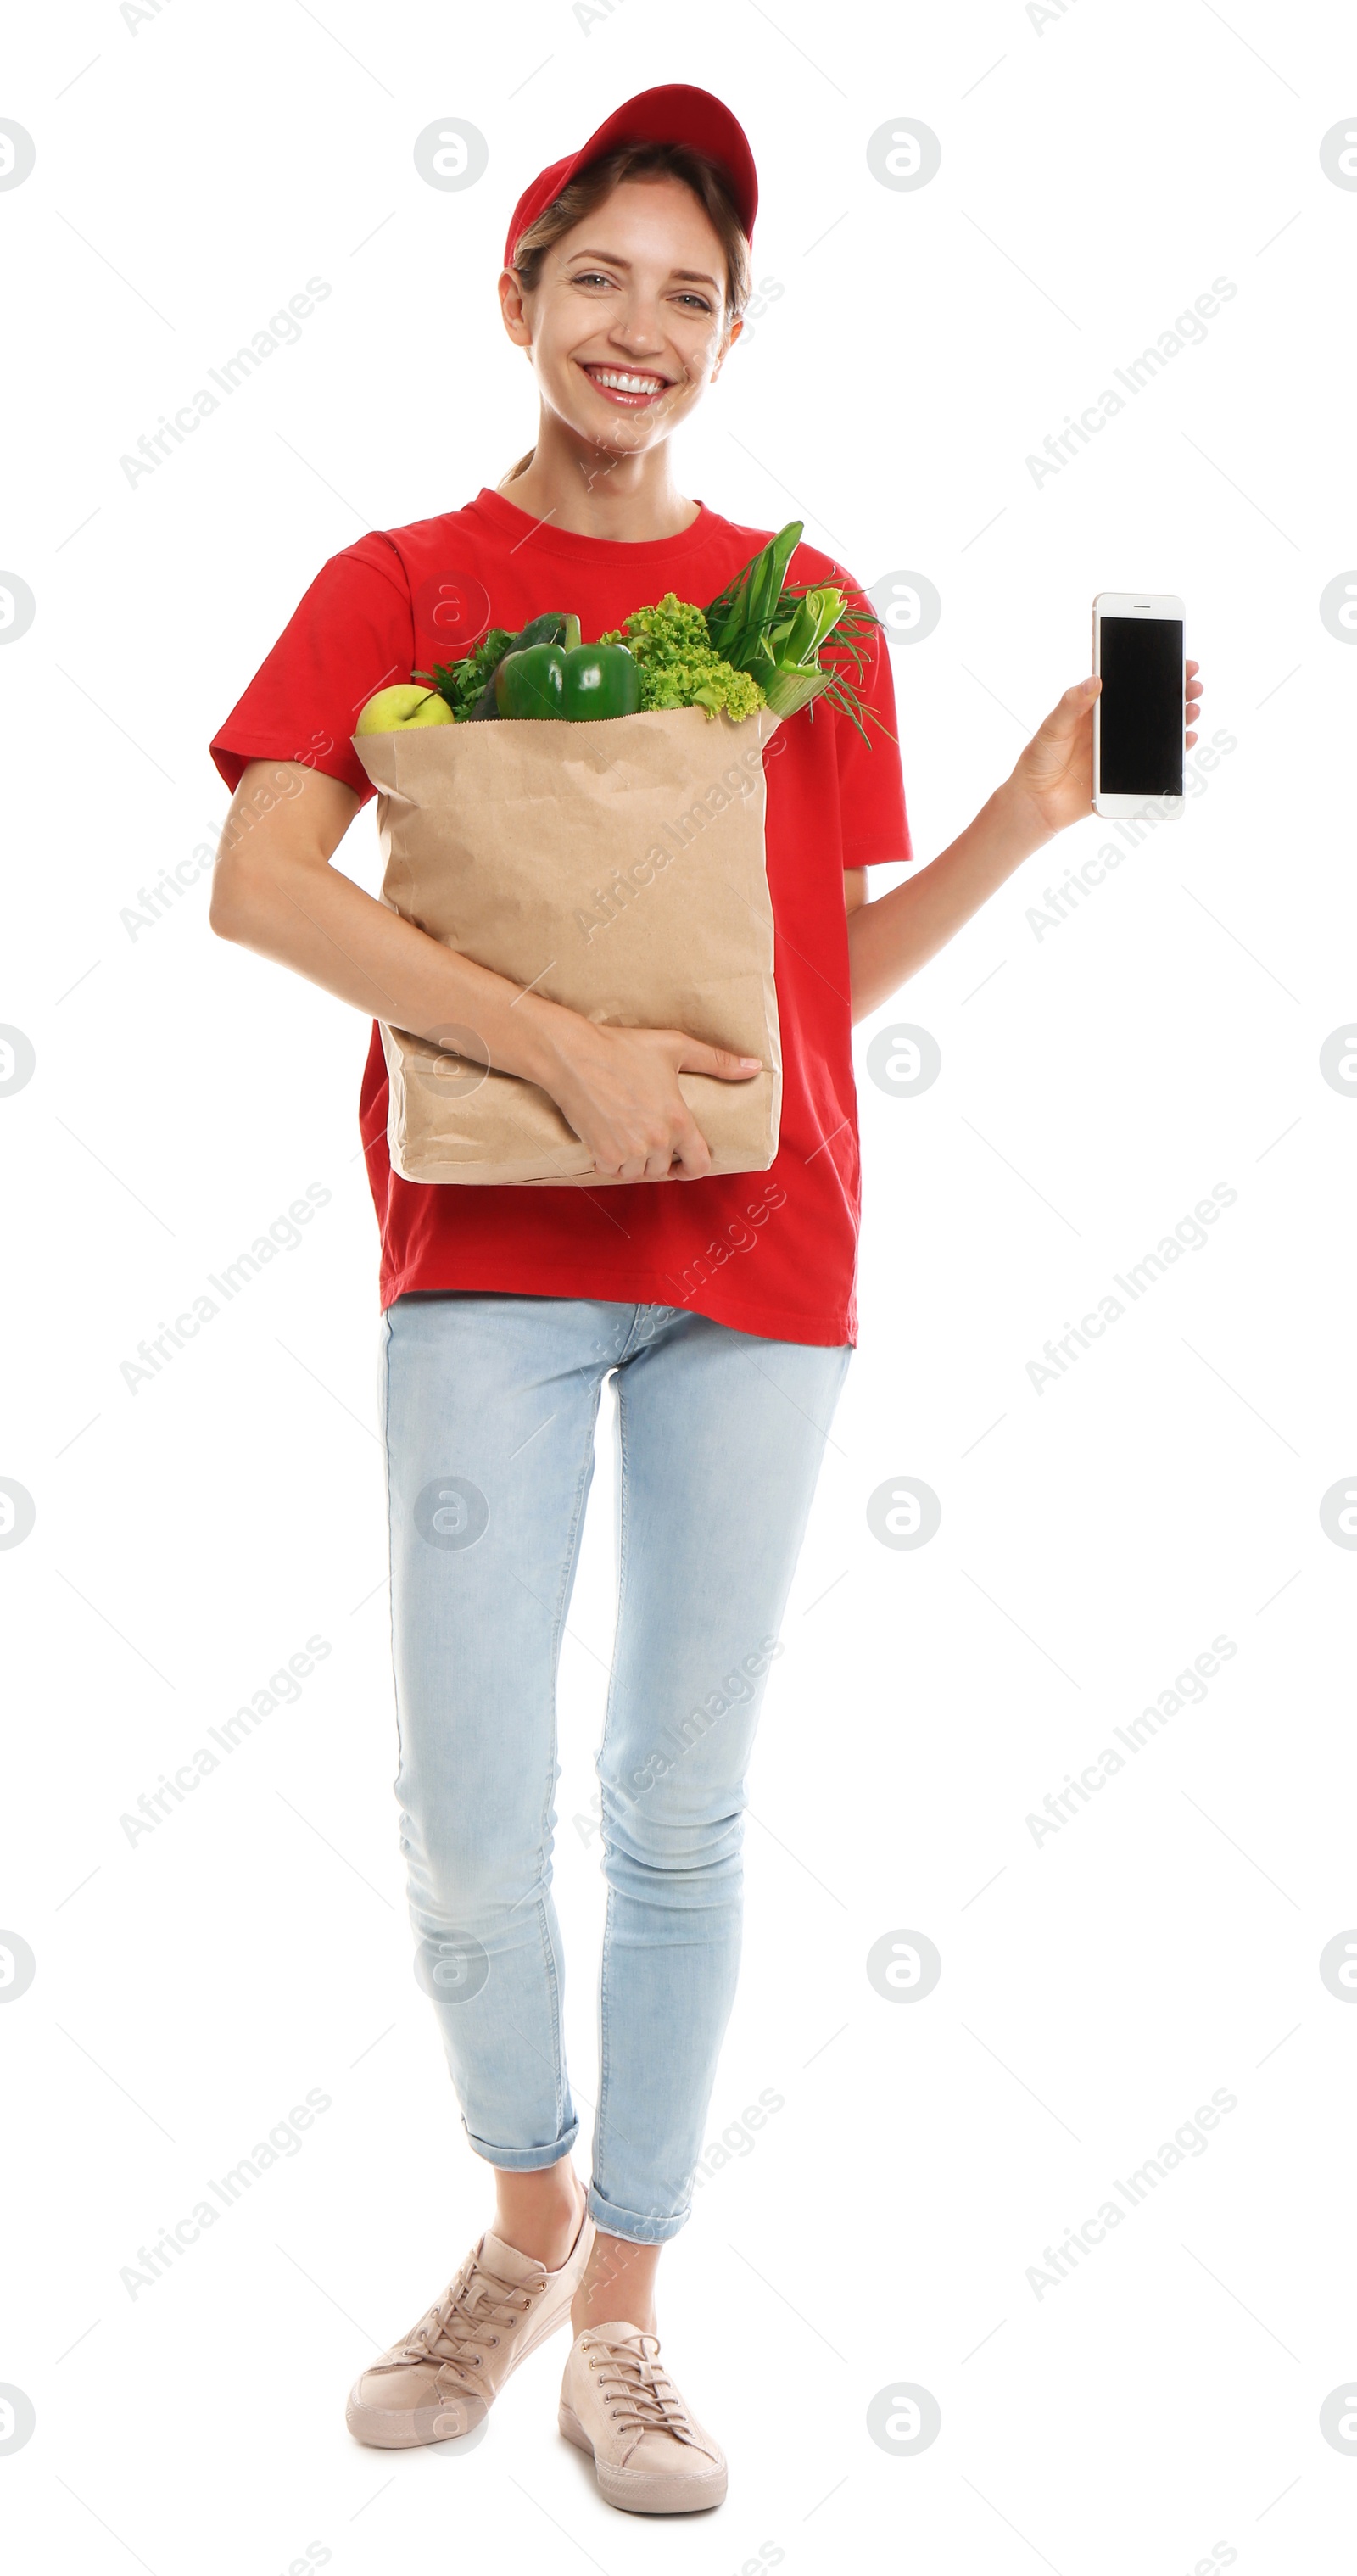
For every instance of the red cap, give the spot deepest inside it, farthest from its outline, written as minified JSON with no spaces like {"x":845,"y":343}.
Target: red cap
{"x":674,"y":114}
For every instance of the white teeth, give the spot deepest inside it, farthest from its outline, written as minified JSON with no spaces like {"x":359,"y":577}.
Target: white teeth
{"x":626,"y":384}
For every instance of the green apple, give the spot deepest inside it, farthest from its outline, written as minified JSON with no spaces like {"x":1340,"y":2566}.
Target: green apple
{"x":398,"y":710}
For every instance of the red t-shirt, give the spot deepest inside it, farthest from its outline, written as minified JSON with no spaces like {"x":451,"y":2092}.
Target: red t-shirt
{"x":770,"y":1253}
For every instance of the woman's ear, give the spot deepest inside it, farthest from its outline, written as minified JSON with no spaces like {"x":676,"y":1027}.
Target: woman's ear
{"x":514,"y":310}
{"x":731,"y":337}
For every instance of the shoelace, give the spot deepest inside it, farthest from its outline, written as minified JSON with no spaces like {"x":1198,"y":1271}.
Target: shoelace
{"x":476,"y":2304}
{"x":640,"y":2397}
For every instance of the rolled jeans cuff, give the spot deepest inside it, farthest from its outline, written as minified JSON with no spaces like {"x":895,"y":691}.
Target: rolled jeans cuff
{"x":524,"y":2159}
{"x":628,"y":2224}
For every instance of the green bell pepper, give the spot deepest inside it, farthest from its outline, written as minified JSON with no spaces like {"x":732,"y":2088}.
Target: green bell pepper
{"x":601,"y":680}
{"x":554,"y":627}
{"x":531,"y":683}
{"x":585,"y":684}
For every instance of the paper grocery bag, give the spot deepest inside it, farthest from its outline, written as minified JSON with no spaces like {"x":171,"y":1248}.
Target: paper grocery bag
{"x":617,"y":867}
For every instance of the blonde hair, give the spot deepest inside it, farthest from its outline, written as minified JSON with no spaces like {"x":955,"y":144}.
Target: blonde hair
{"x":588,"y":189}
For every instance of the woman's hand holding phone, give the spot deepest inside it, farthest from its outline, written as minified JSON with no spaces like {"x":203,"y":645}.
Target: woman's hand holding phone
{"x":1055,"y":773}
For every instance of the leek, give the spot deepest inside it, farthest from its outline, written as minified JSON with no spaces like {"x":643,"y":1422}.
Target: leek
{"x":775,"y":630}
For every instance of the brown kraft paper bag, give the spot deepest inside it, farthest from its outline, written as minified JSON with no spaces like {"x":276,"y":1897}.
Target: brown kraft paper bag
{"x":616,"y":867}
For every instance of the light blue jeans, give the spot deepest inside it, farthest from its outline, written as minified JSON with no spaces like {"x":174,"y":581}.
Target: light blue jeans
{"x":489,"y":1406}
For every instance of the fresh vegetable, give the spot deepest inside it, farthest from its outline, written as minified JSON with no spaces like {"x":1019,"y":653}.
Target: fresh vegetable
{"x":677,"y":664}
{"x":585,"y":684}
{"x":775,"y":630}
{"x":531,"y":682}
{"x":469,"y":685}
{"x":601,"y":680}
{"x":739,"y":613}
{"x":555,"y":627}
{"x":401,"y":709}
{"x":461,"y":683}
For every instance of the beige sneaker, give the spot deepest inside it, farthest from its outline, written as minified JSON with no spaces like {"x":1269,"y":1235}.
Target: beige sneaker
{"x":442,"y":2380}
{"x":651,"y":2455}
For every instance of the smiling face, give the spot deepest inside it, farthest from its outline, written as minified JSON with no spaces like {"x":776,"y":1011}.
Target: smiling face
{"x":627,"y":325}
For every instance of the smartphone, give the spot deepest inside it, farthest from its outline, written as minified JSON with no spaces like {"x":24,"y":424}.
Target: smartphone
{"x":1139,"y":718}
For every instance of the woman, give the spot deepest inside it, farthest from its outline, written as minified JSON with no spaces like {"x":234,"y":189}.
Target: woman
{"x":626,"y":270}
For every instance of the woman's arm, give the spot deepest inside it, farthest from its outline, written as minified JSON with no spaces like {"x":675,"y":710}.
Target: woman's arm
{"x":1050,"y":787}
{"x":275,"y":891}
{"x":890,"y":939}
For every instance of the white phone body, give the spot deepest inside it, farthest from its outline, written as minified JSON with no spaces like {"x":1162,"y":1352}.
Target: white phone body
{"x":1124,"y":800}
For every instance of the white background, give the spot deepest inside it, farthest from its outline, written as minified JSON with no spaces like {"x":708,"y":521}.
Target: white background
{"x":1098,"y":171}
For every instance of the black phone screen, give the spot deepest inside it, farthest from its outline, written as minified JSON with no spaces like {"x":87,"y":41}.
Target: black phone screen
{"x":1140,"y":710}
